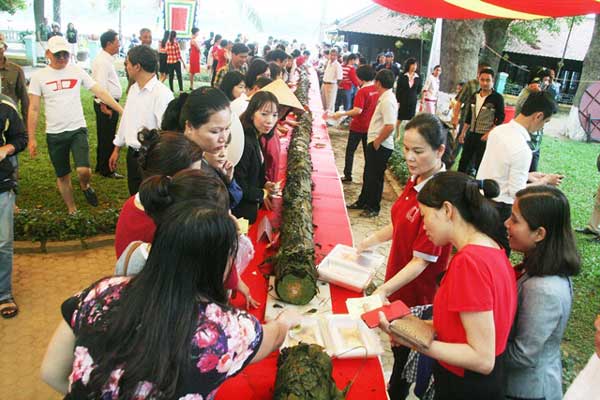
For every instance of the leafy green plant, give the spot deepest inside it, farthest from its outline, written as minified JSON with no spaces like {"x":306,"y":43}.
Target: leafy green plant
{"x":397,"y":163}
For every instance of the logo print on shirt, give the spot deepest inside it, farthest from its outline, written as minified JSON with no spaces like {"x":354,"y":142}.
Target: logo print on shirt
{"x":63,"y":84}
{"x":411,"y":215}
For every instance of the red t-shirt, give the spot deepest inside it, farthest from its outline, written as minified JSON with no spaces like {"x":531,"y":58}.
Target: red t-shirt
{"x":271,"y":148}
{"x":221,"y":58}
{"x":365,"y":99}
{"x":134,"y":224}
{"x":479,"y":278}
{"x":349,"y":77}
{"x":409,"y":240}
{"x":300,"y":60}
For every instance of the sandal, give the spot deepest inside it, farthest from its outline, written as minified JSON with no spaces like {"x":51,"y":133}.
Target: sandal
{"x":8,"y":308}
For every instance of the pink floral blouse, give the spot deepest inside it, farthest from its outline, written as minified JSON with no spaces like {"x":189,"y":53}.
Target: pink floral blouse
{"x":224,"y":343}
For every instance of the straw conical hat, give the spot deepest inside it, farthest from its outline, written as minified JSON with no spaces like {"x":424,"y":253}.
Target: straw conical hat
{"x":284,"y":94}
{"x":236,"y":147}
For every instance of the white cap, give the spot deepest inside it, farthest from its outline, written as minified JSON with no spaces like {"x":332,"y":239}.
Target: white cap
{"x":57,"y":44}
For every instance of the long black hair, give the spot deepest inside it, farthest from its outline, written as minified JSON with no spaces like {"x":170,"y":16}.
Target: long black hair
{"x":195,"y":108}
{"x":257,"y":67}
{"x":165,"y":38}
{"x":159,"y":192}
{"x":432,"y":130}
{"x":231,"y":80}
{"x":556,"y":254}
{"x":464,"y":193}
{"x":166,"y":152}
{"x":149,"y":329}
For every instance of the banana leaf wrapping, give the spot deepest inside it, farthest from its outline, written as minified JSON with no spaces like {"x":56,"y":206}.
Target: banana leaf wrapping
{"x":295,"y":272}
{"x":304,"y":372}
{"x":303,"y":86}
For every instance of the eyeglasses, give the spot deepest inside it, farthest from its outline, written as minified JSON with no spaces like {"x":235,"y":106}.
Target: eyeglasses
{"x":61,"y":54}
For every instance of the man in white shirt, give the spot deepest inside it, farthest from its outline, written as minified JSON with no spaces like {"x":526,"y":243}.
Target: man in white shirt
{"x":331,"y":77}
{"x":508,"y":153}
{"x":105,"y":74}
{"x":147,"y":101}
{"x":431,"y":90}
{"x":66,"y":131}
{"x":379,"y":149}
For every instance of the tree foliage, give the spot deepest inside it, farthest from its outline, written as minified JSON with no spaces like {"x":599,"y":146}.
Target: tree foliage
{"x":527,"y":31}
{"x":12,"y":6}
{"x":113,"y":5}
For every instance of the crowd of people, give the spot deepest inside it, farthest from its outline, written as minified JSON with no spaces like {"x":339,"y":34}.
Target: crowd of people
{"x":498,"y":327}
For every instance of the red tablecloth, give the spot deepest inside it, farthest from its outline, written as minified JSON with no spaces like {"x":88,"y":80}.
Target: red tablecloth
{"x":332,"y":227}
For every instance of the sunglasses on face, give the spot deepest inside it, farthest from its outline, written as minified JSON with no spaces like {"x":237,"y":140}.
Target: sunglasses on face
{"x":61,"y":54}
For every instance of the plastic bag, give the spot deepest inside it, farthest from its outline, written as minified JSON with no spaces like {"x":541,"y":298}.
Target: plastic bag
{"x":585,"y":386}
{"x":245,"y":253}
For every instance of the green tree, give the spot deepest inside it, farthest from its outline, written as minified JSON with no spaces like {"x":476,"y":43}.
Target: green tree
{"x":461,"y":40}
{"x":498,"y":31}
{"x":38,"y":14}
{"x":56,"y":6}
{"x":115,"y":6}
{"x":11,"y":6}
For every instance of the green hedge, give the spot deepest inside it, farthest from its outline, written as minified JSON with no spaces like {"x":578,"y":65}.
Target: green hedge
{"x":397,"y":163}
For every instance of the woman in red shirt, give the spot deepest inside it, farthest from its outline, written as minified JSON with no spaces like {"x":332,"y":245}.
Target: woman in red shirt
{"x":414,"y":262}
{"x":476,"y":302}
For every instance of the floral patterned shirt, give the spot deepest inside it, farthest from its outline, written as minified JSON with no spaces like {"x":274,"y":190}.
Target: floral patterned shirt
{"x":224,"y":343}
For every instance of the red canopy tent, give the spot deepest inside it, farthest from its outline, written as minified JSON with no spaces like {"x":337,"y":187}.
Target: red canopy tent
{"x":470,"y":9}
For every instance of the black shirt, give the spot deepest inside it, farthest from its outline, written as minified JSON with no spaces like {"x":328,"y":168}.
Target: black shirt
{"x":12,"y":131}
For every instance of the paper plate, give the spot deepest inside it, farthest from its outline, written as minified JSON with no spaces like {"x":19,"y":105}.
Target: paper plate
{"x":236,"y":147}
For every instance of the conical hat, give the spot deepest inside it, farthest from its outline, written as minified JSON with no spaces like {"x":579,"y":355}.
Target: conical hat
{"x":236,"y":147}
{"x":284,"y":94}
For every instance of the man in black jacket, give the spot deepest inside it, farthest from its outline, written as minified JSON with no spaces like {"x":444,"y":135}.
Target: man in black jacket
{"x":485,"y":110}
{"x":13,"y":139}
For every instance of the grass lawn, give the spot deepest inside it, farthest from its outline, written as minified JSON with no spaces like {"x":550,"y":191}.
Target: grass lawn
{"x":43,"y":213}
{"x":577,"y":161}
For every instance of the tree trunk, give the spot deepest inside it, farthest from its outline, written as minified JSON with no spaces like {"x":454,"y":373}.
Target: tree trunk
{"x":56,"y":12}
{"x":589,"y":72}
{"x":461,"y":41}
{"x":591,"y":63}
{"x":496,"y":35}
{"x":38,"y":14}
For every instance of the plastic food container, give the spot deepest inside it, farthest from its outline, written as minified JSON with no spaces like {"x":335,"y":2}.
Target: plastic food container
{"x":344,"y":267}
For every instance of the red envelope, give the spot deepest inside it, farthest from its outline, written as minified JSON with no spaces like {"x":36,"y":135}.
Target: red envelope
{"x":392,"y":311}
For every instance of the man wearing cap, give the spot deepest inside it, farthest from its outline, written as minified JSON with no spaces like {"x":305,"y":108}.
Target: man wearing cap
{"x":390,"y":64}
{"x":12,"y":80}
{"x":66,"y":131}
{"x":332,"y":75}
{"x":105,"y":74}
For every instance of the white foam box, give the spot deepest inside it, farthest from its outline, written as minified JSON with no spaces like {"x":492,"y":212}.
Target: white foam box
{"x":309,"y":331}
{"x":319,"y":305}
{"x":348,"y":337}
{"x":344,"y":267}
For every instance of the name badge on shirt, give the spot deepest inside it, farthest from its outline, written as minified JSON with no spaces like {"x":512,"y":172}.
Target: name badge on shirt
{"x":411,"y":215}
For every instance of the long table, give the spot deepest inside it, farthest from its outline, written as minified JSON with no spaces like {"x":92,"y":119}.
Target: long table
{"x":332,"y":226}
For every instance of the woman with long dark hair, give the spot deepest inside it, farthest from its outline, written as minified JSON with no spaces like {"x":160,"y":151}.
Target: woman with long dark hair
{"x":195,"y":49}
{"x":174,"y":60}
{"x":167,"y":332}
{"x":415,"y":261}
{"x":259,"y":120}
{"x":475,"y":304}
{"x":233,"y":85}
{"x":408,"y":88}
{"x":162,"y":56}
{"x":161,"y":153}
{"x":540,"y":228}
{"x":257,"y":68}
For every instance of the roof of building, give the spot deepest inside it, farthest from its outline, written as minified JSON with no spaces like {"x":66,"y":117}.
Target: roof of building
{"x":377,"y":20}
{"x":553,"y":44}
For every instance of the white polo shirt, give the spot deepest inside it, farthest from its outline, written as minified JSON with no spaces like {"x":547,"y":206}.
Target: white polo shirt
{"x":507,"y":159}
{"x":144,"y":109}
{"x":386,"y":113}
{"x":104,"y":72}
{"x":61,"y":90}
{"x":333,"y":72}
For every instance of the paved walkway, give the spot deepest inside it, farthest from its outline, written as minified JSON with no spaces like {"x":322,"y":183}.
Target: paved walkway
{"x":43,"y":281}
